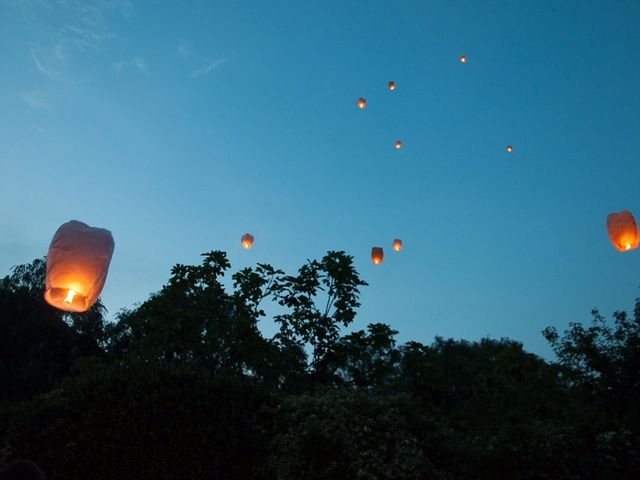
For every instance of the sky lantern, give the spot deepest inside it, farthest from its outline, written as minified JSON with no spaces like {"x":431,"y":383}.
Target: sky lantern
{"x":397,"y":245}
{"x":509,"y":149}
{"x":77,"y":266}
{"x":246,"y":240}
{"x":463,"y":58}
{"x":362,"y":103}
{"x":392,"y":85}
{"x":623,"y":231}
{"x":398,"y":144}
{"x":377,"y":254}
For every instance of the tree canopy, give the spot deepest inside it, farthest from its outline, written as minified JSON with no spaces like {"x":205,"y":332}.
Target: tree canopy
{"x":186,"y":385}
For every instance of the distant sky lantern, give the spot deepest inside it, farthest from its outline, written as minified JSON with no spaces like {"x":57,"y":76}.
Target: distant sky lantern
{"x":392,"y":86}
{"x":397,"y":245}
{"x":463,"y":58}
{"x":361,"y":103}
{"x":246,"y":240}
{"x":623,"y":231}
{"x":77,"y":266}
{"x":398,"y":144}
{"x":509,"y":148}
{"x":377,"y":254}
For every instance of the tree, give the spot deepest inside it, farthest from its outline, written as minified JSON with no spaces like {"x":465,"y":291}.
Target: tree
{"x":39,"y":344}
{"x":193,"y":320}
{"x":143,"y":421}
{"x":353,"y":436}
{"x":601,"y":364}
{"x":368,"y":360}
{"x":308,"y":323}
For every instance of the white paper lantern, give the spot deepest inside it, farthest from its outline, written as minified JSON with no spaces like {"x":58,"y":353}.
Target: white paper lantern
{"x":77,"y":266}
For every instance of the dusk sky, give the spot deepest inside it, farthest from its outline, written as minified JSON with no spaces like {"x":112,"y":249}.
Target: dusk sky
{"x":181,"y":125}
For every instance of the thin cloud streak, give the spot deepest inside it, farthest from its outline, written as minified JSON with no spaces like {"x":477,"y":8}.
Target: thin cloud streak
{"x":137,"y":63}
{"x":42,"y":67}
{"x":184,"y":49}
{"x":36,"y":99}
{"x":208,"y":68}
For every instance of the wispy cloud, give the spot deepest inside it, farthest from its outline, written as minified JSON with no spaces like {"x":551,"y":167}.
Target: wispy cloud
{"x":29,"y":4}
{"x":83,"y":30}
{"x":207,"y":69}
{"x":92,"y":12}
{"x":40,"y":60}
{"x":185,"y":50}
{"x":137,"y":63}
{"x":89,"y":35}
{"x":37,"y":99}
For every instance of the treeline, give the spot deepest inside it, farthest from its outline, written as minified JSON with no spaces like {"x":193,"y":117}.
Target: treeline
{"x":185,"y":386}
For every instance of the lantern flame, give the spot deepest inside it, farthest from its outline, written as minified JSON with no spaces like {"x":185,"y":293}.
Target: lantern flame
{"x":627,"y":246}
{"x":463,"y":58}
{"x":69,"y":299}
{"x":361,"y":103}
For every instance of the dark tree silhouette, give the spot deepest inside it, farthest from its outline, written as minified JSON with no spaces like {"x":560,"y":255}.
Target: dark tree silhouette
{"x":185,"y":385}
{"x":39,"y":344}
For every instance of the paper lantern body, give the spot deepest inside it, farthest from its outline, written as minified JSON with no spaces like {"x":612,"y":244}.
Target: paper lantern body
{"x":623,"y":231}
{"x":397,"y":245}
{"x":392,"y":86}
{"x":247,"y":240}
{"x":398,"y":144}
{"x":463,"y":58}
{"x":509,"y":148}
{"x":377,"y":254}
{"x":362,"y":103}
{"x":77,"y":266}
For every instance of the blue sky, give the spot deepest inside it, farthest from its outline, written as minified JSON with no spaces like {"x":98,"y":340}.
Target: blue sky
{"x":181,"y":125}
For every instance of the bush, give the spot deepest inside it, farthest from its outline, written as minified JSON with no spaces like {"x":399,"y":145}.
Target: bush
{"x":142,"y":422}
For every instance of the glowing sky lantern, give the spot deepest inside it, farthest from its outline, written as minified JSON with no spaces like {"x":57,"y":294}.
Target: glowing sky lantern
{"x":377,"y":254}
{"x":246,"y":240}
{"x":463,"y":58}
{"x":509,"y":149}
{"x":398,"y":144}
{"x":392,"y":86}
{"x":623,"y":231}
{"x":362,"y":103}
{"x":77,"y":266}
{"x":397,"y":245}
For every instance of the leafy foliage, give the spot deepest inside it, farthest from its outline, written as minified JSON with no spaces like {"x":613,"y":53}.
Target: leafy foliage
{"x":185,"y":385}
{"x":308,"y":323}
{"x":38,"y":344}
{"x":147,"y":421}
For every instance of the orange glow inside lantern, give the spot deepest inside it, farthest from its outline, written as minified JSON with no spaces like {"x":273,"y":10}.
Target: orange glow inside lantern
{"x":623,"y":231}
{"x":463,"y":58}
{"x":247,"y":241}
{"x":392,"y":86}
{"x":509,"y":148}
{"x":377,"y":254}
{"x":77,"y":266}
{"x":361,"y":103}
{"x":398,"y":144}
{"x":397,"y":245}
